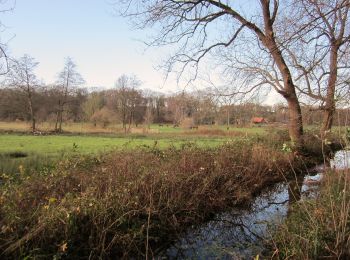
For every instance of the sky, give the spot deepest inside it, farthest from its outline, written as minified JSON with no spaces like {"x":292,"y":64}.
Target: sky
{"x":102,"y":44}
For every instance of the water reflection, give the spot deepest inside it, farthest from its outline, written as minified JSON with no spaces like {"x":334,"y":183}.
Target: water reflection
{"x":241,"y":233}
{"x":341,"y":160}
{"x":294,"y":189}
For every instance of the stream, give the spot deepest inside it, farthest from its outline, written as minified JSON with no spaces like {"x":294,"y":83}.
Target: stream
{"x":241,"y":233}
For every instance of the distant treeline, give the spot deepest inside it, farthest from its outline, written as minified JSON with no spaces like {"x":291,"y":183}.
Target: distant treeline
{"x":131,"y":106}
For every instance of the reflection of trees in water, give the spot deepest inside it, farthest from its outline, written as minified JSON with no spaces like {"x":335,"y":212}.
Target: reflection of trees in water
{"x":225,"y":238}
{"x":240,"y":233}
{"x":294,"y":191}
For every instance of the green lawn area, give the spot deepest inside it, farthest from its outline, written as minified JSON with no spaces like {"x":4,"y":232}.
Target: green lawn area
{"x":46,"y":150}
{"x":51,"y":145}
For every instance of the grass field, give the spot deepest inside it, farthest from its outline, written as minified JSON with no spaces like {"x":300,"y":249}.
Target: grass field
{"x":42,"y":149}
{"x":85,"y":138}
{"x":52,"y":145}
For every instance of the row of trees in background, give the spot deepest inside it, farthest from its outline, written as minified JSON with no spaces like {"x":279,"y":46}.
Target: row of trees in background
{"x":24,"y":98}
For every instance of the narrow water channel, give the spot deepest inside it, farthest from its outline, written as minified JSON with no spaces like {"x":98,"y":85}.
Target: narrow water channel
{"x":240,"y":233}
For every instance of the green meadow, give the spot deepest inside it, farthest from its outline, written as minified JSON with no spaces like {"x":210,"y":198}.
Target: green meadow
{"x":54,"y":144}
{"x":32,"y":152}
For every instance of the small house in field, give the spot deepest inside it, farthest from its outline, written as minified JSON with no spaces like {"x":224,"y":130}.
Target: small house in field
{"x":258,"y":121}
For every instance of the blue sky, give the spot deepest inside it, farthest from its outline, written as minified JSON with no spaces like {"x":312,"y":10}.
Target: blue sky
{"x":101,"y":43}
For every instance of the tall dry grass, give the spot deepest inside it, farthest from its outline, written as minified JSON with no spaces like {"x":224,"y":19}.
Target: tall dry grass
{"x":131,"y":203}
{"x":318,"y":228}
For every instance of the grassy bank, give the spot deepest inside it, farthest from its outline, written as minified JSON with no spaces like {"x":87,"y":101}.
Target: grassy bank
{"x":130,"y":203}
{"x":318,"y":228}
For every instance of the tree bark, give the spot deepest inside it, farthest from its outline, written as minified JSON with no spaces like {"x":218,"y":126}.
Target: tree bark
{"x":329,"y":110}
{"x":288,"y":92}
{"x":295,"y":123}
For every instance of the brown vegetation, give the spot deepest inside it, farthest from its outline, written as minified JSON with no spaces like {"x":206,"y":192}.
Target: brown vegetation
{"x":130,"y":203}
{"x":319,"y":228}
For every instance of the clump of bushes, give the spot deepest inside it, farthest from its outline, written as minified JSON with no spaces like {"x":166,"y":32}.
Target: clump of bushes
{"x":318,"y":228}
{"x":130,"y":203}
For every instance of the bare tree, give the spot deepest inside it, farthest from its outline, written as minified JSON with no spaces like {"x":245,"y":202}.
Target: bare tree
{"x":21,"y":76}
{"x":6,"y":6}
{"x":206,"y":109}
{"x":226,"y":101}
{"x":148,"y":117}
{"x":68,"y":80}
{"x":195,"y":24}
{"x":319,"y":51}
{"x":128,"y":98}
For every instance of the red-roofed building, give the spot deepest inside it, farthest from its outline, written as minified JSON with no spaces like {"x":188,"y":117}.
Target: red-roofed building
{"x":258,"y":120}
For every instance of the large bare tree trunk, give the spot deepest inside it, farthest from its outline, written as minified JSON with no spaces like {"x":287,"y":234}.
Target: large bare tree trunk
{"x":288,"y":92}
{"x":329,"y":109}
{"x":295,"y":123}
